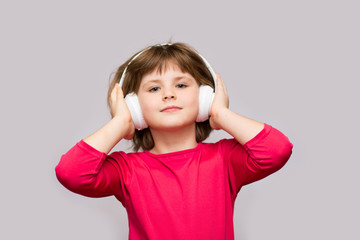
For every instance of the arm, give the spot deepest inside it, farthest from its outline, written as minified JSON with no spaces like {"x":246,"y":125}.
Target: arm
{"x":86,"y":171}
{"x":119,"y":127}
{"x":262,"y":151}
{"x":86,"y":168}
{"x":241,"y":128}
{"x":261,"y":156}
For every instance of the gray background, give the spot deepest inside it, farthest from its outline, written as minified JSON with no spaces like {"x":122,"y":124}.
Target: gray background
{"x":291,"y":64}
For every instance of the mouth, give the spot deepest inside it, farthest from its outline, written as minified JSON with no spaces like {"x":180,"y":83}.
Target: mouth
{"x":170,"y":109}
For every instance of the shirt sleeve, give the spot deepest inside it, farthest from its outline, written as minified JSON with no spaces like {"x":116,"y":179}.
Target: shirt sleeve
{"x":261,"y":156}
{"x":89,"y":172}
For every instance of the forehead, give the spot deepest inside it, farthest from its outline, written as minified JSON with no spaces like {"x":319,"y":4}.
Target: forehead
{"x":168,"y":68}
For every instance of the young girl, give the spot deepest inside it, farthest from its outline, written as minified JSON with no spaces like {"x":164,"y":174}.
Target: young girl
{"x":176,"y":187}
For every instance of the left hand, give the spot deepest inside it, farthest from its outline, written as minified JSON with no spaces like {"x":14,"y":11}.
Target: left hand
{"x":219,"y":104}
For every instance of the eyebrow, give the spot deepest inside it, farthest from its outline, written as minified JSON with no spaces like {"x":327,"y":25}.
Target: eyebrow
{"x":178,"y":78}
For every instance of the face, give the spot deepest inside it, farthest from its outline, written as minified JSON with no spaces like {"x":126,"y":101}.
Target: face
{"x":170,"y":100}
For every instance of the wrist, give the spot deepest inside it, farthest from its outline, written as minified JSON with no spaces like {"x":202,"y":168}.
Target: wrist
{"x":125,"y":126}
{"x":219,"y":118}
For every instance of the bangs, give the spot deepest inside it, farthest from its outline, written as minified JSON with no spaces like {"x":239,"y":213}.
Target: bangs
{"x":160,"y":58}
{"x":161,"y":65}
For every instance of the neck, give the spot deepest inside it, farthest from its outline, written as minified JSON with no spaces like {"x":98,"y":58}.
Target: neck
{"x":174,"y":140}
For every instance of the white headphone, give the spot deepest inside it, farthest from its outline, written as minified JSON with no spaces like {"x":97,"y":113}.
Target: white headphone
{"x":206,"y":96}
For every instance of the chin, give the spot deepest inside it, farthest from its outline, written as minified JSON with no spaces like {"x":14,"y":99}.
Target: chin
{"x":174,"y":126}
{"x":172,"y":121}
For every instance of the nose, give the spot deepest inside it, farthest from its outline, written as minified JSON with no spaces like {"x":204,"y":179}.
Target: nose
{"x":169,"y":95}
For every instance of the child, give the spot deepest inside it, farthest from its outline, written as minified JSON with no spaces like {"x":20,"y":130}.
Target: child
{"x":176,"y":187}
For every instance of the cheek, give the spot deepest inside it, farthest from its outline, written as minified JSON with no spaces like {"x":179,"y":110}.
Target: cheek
{"x":145,"y":103}
{"x":192,"y":99}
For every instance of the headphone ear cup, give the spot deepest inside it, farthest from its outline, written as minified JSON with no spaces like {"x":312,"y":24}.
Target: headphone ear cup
{"x":206,"y":96}
{"x":133,"y":104}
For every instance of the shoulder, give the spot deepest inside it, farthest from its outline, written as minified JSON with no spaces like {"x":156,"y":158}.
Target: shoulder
{"x":222,"y":146}
{"x":122,"y":155}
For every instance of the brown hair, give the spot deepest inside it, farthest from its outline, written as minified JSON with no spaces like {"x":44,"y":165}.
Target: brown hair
{"x":156,"y":58}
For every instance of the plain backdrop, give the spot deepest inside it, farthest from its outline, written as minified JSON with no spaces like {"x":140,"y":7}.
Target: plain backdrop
{"x":291,"y":64}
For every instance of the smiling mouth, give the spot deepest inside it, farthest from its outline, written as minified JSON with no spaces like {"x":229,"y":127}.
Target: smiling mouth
{"x":171,"y":109}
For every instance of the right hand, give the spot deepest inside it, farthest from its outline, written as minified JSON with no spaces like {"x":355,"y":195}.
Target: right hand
{"x":119,"y":109}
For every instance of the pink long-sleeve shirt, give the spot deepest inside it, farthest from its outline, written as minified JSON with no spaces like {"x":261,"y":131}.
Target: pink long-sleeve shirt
{"x":188,"y":194}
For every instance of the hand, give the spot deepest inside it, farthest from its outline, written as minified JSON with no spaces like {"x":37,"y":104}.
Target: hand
{"x":119,"y":109}
{"x":219,"y":104}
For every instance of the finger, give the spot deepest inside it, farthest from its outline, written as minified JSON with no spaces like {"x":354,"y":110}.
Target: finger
{"x":114,"y":90}
{"x":217,"y":78}
{"x":221,"y":90}
{"x":223,"y":86}
{"x":117,"y":91}
{"x":120,"y":92}
{"x":113,"y":94}
{"x":116,"y":94}
{"x":219,"y":83}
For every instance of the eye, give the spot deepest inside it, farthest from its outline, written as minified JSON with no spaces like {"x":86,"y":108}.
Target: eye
{"x":154,"y":89}
{"x":181,"y":85}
